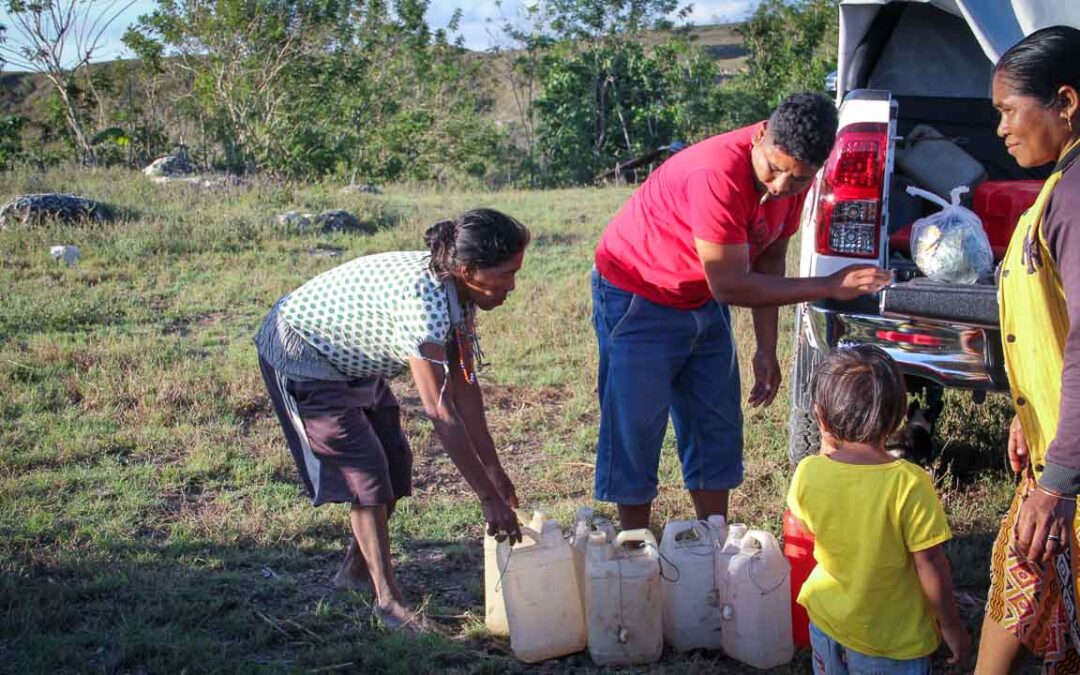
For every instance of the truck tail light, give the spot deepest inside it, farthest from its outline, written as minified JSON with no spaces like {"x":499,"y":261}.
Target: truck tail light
{"x":849,"y":200}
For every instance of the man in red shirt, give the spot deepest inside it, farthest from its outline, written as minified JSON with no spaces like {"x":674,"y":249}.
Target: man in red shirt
{"x":708,"y":229}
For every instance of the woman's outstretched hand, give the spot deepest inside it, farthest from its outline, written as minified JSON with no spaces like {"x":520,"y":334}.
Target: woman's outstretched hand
{"x":502,"y":521}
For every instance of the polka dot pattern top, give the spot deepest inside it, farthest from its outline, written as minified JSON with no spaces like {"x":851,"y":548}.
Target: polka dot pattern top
{"x":369,"y":315}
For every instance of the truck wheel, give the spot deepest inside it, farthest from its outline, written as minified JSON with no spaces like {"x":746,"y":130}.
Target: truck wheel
{"x":805,"y":439}
{"x":803,"y":436}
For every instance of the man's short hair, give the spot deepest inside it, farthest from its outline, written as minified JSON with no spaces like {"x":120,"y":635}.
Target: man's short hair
{"x":804,"y":126}
{"x":858,"y":394}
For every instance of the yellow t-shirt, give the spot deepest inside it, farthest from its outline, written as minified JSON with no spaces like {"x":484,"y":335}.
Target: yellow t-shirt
{"x":867,"y":520}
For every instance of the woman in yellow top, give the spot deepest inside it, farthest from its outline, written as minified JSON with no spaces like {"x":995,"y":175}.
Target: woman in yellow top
{"x":1033,"y":588}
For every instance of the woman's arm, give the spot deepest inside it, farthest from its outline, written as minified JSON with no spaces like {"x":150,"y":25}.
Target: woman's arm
{"x":469,"y":401}
{"x":439,"y":405}
{"x":935,"y":577}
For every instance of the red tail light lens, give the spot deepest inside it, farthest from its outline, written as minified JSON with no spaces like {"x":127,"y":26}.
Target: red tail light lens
{"x":849,"y":201}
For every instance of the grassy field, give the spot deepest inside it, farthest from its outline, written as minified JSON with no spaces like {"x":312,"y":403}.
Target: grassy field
{"x":150,"y":518}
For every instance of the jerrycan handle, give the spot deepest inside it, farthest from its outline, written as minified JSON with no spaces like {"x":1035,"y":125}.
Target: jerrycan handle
{"x":705,"y":535}
{"x":770,"y":550}
{"x":765,"y":542}
{"x":529,"y":533}
{"x":642,"y":534}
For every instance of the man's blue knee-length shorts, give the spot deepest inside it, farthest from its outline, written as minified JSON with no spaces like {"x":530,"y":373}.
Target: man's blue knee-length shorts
{"x":655,"y":361}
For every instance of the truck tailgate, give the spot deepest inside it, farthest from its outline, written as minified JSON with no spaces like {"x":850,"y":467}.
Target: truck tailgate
{"x":921,"y":298}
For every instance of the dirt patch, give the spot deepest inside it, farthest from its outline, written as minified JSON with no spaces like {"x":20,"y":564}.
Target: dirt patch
{"x":180,"y":504}
{"x":450,"y":575}
{"x":183,"y":327}
{"x":509,"y":410}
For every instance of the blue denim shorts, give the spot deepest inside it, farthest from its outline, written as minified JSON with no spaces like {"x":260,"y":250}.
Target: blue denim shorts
{"x":655,"y":361}
{"x":832,"y":658}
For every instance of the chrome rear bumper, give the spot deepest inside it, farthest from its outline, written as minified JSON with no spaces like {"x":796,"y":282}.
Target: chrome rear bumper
{"x":965,"y":357}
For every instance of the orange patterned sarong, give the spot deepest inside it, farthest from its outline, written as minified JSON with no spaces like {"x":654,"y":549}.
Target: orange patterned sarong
{"x":1036,"y":602}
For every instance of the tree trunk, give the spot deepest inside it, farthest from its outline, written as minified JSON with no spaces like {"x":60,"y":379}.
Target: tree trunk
{"x":82,"y":143}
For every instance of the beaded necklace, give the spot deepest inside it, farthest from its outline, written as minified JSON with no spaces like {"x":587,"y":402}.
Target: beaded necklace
{"x":470,"y":356}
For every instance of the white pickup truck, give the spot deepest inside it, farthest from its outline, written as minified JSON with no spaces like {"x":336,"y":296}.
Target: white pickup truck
{"x":904,"y":67}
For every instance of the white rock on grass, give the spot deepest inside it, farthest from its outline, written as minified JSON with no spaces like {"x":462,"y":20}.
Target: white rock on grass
{"x":168,"y":166}
{"x":65,"y":253}
{"x":295,"y":220}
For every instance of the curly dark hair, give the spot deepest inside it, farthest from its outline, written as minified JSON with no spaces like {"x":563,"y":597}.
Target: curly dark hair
{"x":479,"y":239}
{"x":804,"y":126}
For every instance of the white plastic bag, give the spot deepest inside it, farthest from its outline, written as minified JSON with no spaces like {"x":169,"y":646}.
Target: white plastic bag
{"x":950,"y":246}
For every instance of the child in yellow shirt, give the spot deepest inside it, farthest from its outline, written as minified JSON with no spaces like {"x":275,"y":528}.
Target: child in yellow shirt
{"x":881,"y":597}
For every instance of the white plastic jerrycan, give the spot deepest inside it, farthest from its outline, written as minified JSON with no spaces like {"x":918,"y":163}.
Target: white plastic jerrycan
{"x":585,"y":524}
{"x":692,"y":608}
{"x":623,"y":596}
{"x":538,"y":584}
{"x":756,"y":601}
{"x":494,"y":603}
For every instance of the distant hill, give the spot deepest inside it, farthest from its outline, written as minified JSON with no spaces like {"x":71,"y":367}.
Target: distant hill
{"x":25,"y":94}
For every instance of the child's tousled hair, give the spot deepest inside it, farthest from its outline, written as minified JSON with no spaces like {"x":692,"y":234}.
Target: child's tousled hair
{"x":858,"y":394}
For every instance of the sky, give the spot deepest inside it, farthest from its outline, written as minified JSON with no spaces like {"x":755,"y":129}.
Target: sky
{"x":476,"y":27}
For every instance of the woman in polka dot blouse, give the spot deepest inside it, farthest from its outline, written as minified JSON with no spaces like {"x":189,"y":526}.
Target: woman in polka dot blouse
{"x":327,"y":349}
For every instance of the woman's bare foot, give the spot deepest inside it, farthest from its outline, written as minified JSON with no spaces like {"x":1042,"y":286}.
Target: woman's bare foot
{"x":353,"y":574}
{"x":399,"y":618}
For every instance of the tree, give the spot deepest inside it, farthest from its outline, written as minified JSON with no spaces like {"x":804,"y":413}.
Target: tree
{"x":606,"y":80}
{"x":238,"y":55}
{"x":306,"y":88}
{"x":791,"y":47}
{"x":59,"y":39}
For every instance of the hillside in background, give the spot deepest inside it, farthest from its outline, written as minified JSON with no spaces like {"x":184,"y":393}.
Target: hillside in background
{"x":27,"y":94}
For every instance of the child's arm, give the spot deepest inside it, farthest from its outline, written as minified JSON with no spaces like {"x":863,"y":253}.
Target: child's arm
{"x":935,"y":577}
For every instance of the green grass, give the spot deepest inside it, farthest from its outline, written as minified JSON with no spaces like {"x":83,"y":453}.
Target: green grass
{"x":150,"y":518}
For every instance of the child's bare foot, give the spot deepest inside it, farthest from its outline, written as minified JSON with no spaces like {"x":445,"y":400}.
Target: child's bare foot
{"x":353,"y":574}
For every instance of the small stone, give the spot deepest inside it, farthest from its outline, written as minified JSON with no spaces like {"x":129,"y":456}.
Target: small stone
{"x":169,"y":166}
{"x":342,"y":221}
{"x":295,"y":220}
{"x":67,"y":254}
{"x":362,"y":189}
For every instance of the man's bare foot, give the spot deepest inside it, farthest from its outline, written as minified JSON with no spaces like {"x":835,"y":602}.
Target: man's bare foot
{"x":353,"y":574}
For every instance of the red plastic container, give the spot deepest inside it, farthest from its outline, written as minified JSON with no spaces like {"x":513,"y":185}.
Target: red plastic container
{"x":799,"y":551}
{"x":1000,"y":203}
